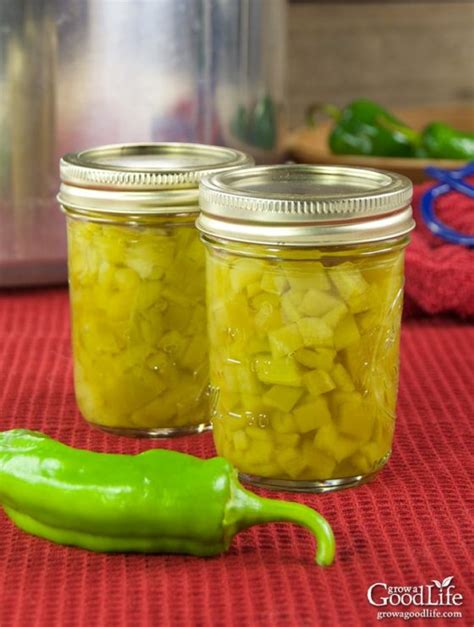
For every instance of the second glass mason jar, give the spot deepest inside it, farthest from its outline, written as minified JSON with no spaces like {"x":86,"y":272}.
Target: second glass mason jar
{"x":304,"y":297}
{"x":137,"y":286}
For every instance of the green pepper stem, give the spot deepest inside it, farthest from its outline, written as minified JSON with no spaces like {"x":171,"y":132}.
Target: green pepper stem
{"x":325,"y":109}
{"x":287,"y":511}
{"x":247,"y":509}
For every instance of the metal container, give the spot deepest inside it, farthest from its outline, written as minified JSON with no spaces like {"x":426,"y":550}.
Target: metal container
{"x":76,"y":73}
{"x":304,"y":298}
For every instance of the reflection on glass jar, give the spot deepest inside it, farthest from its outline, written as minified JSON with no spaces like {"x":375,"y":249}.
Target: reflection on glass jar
{"x":137,"y":286}
{"x":304,"y":339}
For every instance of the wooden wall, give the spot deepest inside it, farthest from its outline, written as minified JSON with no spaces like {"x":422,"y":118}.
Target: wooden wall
{"x":399,"y":53}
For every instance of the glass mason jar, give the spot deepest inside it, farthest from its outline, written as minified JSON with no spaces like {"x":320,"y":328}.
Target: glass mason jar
{"x":304,"y":297}
{"x":137,"y":286}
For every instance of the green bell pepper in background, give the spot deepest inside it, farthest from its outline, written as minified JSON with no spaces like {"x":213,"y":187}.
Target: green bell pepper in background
{"x":440,"y":141}
{"x":360,"y":129}
{"x":157,"y":501}
{"x":365,"y":128}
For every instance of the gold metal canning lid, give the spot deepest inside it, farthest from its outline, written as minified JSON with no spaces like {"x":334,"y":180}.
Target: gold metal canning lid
{"x":141,"y":178}
{"x":306,"y":205}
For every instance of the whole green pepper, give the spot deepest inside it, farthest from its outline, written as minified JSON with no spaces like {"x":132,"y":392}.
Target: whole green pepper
{"x":365,"y":128}
{"x":157,"y":501}
{"x":440,"y":141}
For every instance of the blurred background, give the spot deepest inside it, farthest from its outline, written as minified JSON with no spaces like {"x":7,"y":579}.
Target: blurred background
{"x":400,"y":53}
{"x":79,"y":73}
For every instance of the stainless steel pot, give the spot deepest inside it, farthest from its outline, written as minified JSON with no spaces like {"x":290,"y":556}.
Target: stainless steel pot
{"x":79,"y":73}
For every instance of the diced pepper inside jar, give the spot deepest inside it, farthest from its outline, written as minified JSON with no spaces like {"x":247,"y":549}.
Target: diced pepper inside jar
{"x":139,"y":324}
{"x":317,"y":347}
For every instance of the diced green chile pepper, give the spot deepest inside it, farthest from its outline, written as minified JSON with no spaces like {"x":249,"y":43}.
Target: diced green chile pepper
{"x":157,"y":501}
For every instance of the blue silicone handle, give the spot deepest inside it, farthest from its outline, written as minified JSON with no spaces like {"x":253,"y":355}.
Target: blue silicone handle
{"x":449,"y":180}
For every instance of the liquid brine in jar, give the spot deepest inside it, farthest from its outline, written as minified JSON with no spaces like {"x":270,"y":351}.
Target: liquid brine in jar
{"x":137,"y":285}
{"x":304,"y":297}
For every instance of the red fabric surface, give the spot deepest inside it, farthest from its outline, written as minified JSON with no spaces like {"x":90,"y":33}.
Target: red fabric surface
{"x":440,"y":275}
{"x":411,"y":525}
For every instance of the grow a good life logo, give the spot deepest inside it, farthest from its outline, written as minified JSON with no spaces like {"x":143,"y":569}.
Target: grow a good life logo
{"x":438,"y":599}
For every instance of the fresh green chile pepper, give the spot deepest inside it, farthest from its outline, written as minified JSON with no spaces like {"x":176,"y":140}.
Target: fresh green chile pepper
{"x":438,"y":141}
{"x":361,"y":129}
{"x":441,"y":141}
{"x":157,"y":501}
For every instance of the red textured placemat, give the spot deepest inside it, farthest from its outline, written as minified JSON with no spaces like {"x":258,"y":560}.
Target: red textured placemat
{"x":410,"y":526}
